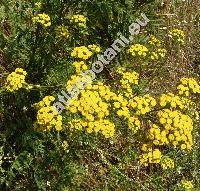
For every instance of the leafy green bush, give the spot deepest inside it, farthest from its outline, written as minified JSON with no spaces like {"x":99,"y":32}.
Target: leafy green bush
{"x":120,"y":133}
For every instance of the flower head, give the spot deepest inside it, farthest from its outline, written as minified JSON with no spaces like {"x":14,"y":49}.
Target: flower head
{"x":16,"y":80}
{"x":42,"y":19}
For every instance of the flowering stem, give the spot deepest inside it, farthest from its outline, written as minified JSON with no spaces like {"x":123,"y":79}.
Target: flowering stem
{"x":35,"y":87}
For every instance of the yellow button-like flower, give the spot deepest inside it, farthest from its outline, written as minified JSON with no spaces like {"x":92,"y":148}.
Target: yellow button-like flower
{"x":16,"y":80}
{"x":138,"y":50}
{"x":42,"y":19}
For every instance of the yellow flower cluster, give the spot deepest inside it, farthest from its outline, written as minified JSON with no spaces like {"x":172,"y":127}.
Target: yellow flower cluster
{"x":65,"y":145}
{"x":38,"y":5}
{"x":154,"y":41}
{"x":121,"y":103}
{"x":157,"y":136}
{"x":80,"y":66}
{"x":72,"y":81}
{"x":81,"y":52}
{"x":79,"y":81}
{"x":161,"y":52}
{"x":149,"y":155}
{"x":158,"y":54}
{"x":77,"y":124}
{"x":154,"y":56}
{"x":128,"y":80}
{"x":143,"y":104}
{"x":93,"y":107}
{"x":62,"y":32}
{"x":186,"y":184}
{"x":16,"y":80}
{"x":167,"y":163}
{"x":47,"y":116}
{"x":172,"y":100}
{"x":178,"y":35}
{"x":91,"y":104}
{"x":104,"y":126}
{"x":176,"y":129}
{"x":134,"y":124}
{"x":79,"y":20}
{"x":188,"y":84}
{"x":138,"y":50}
{"x":120,"y":70}
{"x":94,"y":48}
{"x":46,"y":101}
{"x":42,"y":19}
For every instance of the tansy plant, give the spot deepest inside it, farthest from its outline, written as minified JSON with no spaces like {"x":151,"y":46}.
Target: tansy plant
{"x":162,"y":121}
{"x":177,"y":35}
{"x":153,"y":51}
{"x":16,"y":80}
{"x":42,"y":19}
{"x":97,"y":99}
{"x":79,"y":20}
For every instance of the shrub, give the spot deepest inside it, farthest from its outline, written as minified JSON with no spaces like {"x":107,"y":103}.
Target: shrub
{"x":133,"y":127}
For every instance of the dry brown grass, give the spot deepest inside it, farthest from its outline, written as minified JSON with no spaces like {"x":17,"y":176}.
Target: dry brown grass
{"x":183,"y":61}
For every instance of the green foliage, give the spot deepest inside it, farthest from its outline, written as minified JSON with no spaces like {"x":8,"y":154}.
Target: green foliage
{"x":32,"y":160}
